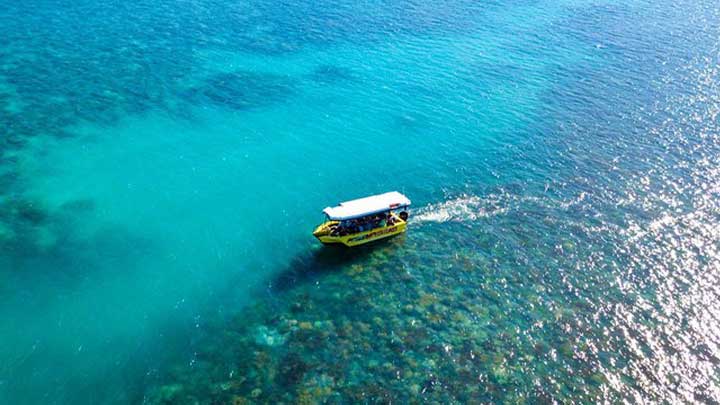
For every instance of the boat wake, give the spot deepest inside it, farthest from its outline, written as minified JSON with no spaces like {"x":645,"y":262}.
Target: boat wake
{"x":467,"y":208}
{"x":461,"y":209}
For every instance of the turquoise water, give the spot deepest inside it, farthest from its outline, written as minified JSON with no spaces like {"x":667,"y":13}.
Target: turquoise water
{"x":162,"y":165}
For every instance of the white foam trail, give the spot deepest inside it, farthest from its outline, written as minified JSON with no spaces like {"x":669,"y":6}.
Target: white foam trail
{"x":464,"y":208}
{"x":471,"y":207}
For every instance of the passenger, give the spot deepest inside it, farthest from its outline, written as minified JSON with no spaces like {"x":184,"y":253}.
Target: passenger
{"x":391,"y":219}
{"x":334,"y":229}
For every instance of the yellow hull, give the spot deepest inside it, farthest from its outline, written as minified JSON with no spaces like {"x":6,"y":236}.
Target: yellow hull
{"x":322,"y":232}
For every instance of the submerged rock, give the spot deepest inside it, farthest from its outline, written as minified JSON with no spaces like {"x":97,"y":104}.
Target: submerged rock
{"x":169,"y":393}
{"x":240,"y":400}
{"x":268,"y":337}
{"x":29,"y":211}
{"x":292,"y":370}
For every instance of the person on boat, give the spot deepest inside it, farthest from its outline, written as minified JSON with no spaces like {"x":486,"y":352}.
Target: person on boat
{"x":339,"y":229}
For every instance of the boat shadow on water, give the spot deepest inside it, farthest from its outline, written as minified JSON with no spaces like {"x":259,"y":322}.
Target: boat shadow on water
{"x":309,"y":266}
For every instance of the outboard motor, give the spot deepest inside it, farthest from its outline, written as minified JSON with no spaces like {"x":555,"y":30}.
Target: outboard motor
{"x":404,"y":216}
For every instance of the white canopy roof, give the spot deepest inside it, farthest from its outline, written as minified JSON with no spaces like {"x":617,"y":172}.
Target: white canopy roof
{"x":367,"y":206}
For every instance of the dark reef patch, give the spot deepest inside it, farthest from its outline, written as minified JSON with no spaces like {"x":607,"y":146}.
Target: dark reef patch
{"x":292,"y":370}
{"x":32,"y":234}
{"x":25,"y":227}
{"x":331,"y":74}
{"x":241,"y":90}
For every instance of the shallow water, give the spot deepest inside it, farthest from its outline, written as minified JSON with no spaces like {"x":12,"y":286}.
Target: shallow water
{"x":163,"y":163}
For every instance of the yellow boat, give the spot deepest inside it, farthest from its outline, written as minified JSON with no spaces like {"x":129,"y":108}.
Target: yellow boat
{"x":364,"y":220}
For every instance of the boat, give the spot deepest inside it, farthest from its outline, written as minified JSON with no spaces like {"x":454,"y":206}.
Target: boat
{"x":364,"y":220}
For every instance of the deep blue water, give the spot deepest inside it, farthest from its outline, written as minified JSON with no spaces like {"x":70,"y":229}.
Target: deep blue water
{"x":162,"y":165}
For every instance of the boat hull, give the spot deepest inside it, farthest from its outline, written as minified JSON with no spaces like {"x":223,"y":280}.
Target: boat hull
{"x":360,"y":238}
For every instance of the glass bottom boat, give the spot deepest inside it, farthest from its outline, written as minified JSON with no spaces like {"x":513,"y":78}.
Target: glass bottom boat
{"x":364,"y":220}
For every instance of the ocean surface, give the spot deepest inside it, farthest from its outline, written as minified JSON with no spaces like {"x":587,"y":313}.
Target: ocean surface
{"x":163,"y":164}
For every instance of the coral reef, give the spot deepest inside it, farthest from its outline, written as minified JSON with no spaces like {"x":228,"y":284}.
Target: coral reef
{"x":411,"y":319}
